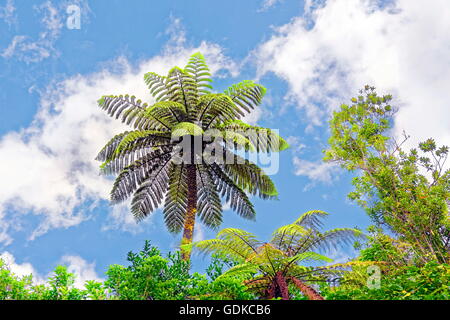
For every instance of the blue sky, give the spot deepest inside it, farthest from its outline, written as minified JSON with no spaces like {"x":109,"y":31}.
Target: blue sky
{"x":311,"y":55}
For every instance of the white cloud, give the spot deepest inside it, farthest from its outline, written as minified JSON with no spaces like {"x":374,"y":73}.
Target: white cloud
{"x":401,"y":47}
{"x":316,"y":171}
{"x":49,"y":168}
{"x":30,"y":50}
{"x":7,"y":13}
{"x":296,"y":146}
{"x":82,"y":270}
{"x":267,"y":4}
{"x":36,"y":49}
{"x":20,"y":270}
{"x":120,"y":218}
{"x":199,"y":234}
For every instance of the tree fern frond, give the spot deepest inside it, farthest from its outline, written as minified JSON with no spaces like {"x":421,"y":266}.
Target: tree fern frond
{"x":243,"y":271}
{"x":176,"y":198}
{"x":133,"y":112}
{"x":186,"y":128}
{"x":150,"y":135}
{"x":249,"y":176}
{"x":135,"y":174}
{"x":156,"y":85}
{"x":246,"y":94}
{"x":135,"y":150}
{"x":245,"y":238}
{"x":150,"y":193}
{"x":311,"y":219}
{"x":228,"y":249}
{"x":169,"y":112}
{"x":208,"y":199}
{"x":239,"y":201}
{"x":182,"y":88}
{"x":108,"y":150}
{"x":336,"y":237}
{"x":285,"y":236}
{"x":215,"y":108}
{"x":199,"y":72}
{"x":264,"y":139}
{"x":307,"y":257}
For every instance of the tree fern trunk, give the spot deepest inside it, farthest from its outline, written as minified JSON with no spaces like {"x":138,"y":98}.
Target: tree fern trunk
{"x":189,"y":220}
{"x":282,"y":286}
{"x":309,"y":292}
{"x":278,"y":288}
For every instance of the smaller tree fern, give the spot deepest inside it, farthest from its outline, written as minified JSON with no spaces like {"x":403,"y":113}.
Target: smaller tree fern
{"x":273,"y":265}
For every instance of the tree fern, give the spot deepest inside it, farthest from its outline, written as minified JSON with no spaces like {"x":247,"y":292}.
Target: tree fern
{"x":147,"y":162}
{"x":268,"y":267}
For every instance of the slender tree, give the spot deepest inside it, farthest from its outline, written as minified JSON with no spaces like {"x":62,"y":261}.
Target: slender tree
{"x":186,"y":149}
{"x":273,"y":265}
{"x":407,"y":192}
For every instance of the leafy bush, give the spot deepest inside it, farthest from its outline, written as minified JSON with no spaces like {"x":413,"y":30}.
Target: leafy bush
{"x":430,"y":282}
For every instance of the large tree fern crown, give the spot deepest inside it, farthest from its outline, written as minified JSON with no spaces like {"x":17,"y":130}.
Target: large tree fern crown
{"x":188,"y":125}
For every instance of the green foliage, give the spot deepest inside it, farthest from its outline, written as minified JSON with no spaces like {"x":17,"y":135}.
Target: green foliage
{"x":60,"y":286}
{"x":383,"y":248}
{"x":430,"y":282}
{"x":150,"y":276}
{"x":391,"y":184}
{"x":153,"y":277}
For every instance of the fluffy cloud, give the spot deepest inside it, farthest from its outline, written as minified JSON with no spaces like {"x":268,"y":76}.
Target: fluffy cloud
{"x":49,"y":170}
{"x":36,"y":49}
{"x":31,"y":50}
{"x":337,"y":47}
{"x":7,"y":13}
{"x":82,"y":270}
{"x":20,"y":270}
{"x":316,"y":171}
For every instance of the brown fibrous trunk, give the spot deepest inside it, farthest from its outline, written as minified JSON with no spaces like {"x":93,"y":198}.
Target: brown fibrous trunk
{"x":189,"y":221}
{"x":309,"y":292}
